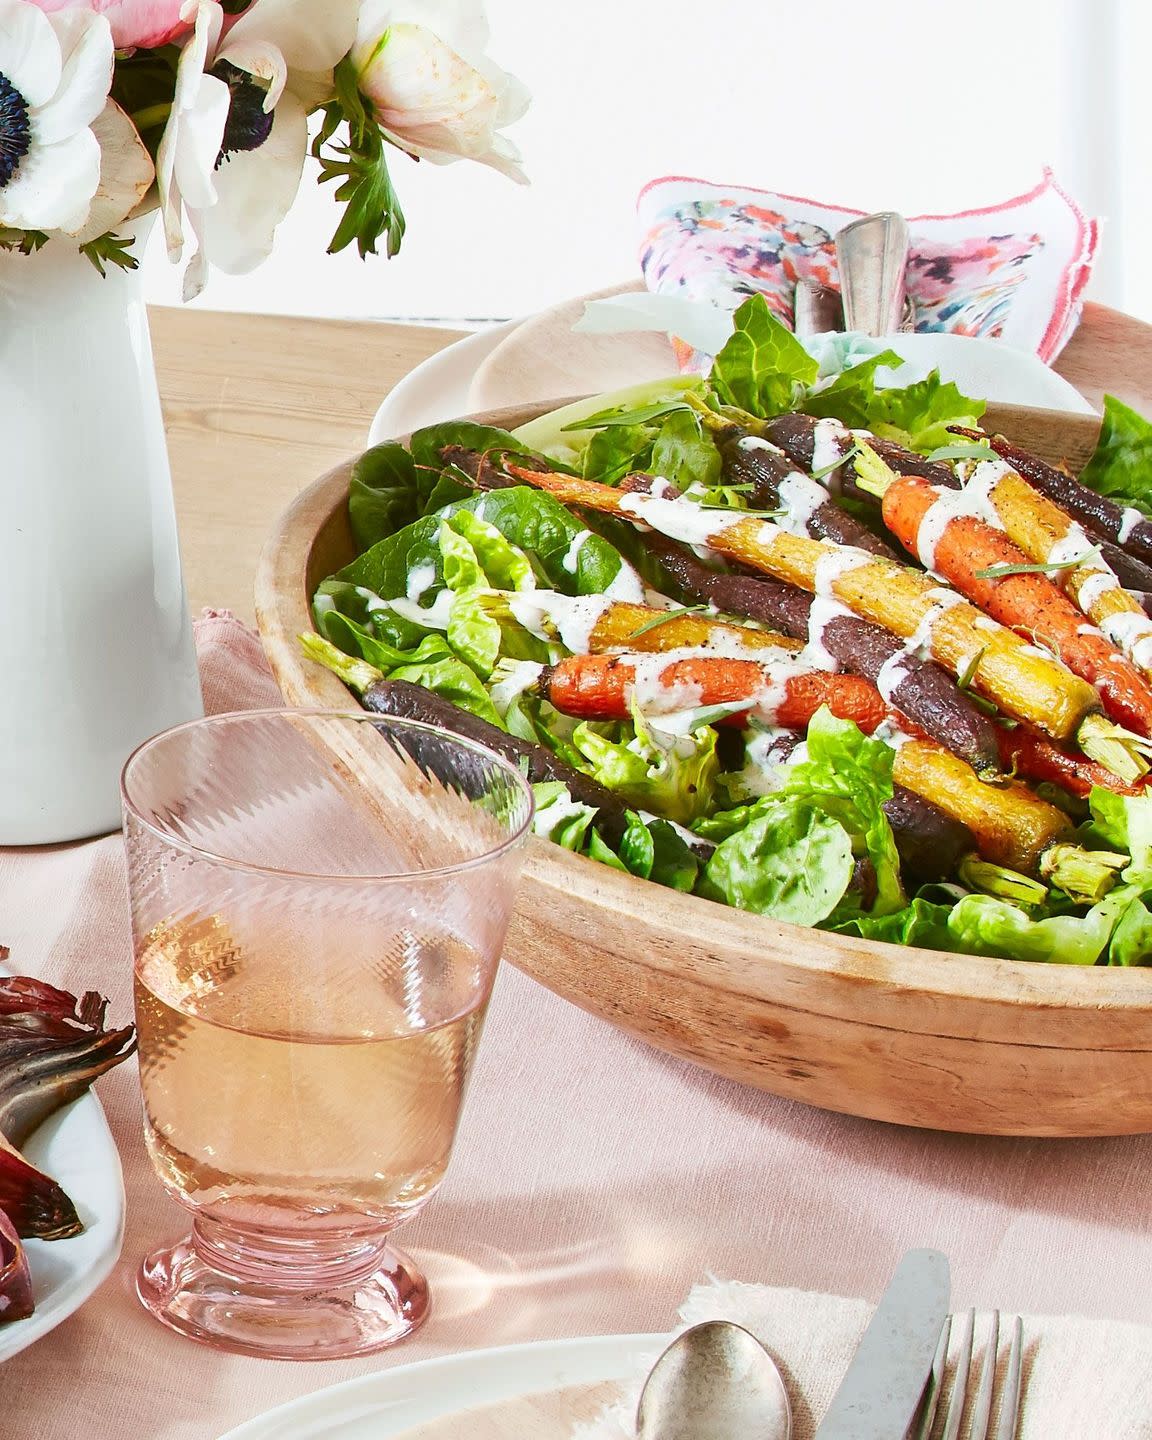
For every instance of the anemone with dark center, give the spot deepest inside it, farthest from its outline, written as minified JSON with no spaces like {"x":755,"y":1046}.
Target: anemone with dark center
{"x":15,"y":131}
{"x":248,"y":124}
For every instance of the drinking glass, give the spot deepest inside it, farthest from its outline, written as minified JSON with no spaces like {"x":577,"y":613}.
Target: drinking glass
{"x":318,"y":906}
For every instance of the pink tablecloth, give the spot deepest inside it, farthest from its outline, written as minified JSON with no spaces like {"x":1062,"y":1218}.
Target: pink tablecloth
{"x":595,"y":1180}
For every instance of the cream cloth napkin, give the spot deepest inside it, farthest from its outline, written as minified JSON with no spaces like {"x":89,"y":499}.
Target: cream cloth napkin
{"x":1083,"y":1379}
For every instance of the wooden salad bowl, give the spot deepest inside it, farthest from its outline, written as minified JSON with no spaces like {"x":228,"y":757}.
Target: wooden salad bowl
{"x":916,"y":1037}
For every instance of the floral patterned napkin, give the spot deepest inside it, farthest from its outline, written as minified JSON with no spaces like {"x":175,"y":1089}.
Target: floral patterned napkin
{"x":1014,"y":271}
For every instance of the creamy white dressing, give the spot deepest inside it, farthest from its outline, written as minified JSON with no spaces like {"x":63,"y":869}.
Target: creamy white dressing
{"x":1075,"y":545}
{"x":815,"y":652}
{"x":572,"y":554}
{"x":626,"y":585}
{"x":1129,"y":519}
{"x":919,"y":643}
{"x":420,"y":579}
{"x":1095,"y":588}
{"x":892,"y":674}
{"x":433,"y":617}
{"x":985,"y":622}
{"x":757,"y":442}
{"x":551,"y":816}
{"x":829,"y":442}
{"x":800,"y":498}
{"x":1132,"y":633}
{"x":973,"y":501}
{"x":653,"y":694}
{"x":323,"y":604}
{"x":515,"y":676}
{"x":1037,"y":651}
{"x":679,"y":519}
{"x":891,"y":734}
{"x":836,"y":561}
{"x":1089,"y":630}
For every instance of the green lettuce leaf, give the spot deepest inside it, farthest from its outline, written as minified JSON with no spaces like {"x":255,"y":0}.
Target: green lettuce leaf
{"x":762,"y":368}
{"x":364,"y":607}
{"x":1131,"y":942}
{"x":356,"y":639}
{"x":850,"y":776}
{"x":673,"y":776}
{"x":1122,"y":823}
{"x":1121,"y":464}
{"x":451,"y":679}
{"x":921,"y":922}
{"x":431,"y":664}
{"x":793,"y":862}
{"x":683,"y":454}
{"x":384,"y":493}
{"x":559,"y":818}
{"x":851,"y":396}
{"x":652,"y":849}
{"x":918,"y":415}
{"x":531,"y":520}
{"x":986,"y":925}
{"x":505,"y":566}
{"x":559,"y":434}
{"x":617,"y":451}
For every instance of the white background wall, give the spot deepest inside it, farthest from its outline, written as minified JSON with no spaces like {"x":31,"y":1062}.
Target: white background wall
{"x":916,"y":105}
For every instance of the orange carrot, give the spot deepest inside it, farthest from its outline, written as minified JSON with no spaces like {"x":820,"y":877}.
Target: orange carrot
{"x":1030,"y":603}
{"x":1036,"y":758}
{"x":599,"y":687}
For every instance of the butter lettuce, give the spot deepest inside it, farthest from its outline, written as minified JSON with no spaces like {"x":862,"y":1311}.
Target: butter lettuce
{"x":531,"y":520}
{"x":674,"y":776}
{"x":850,"y":776}
{"x":762,"y":367}
{"x":792,"y":861}
{"x":650,"y":849}
{"x":1121,"y":464}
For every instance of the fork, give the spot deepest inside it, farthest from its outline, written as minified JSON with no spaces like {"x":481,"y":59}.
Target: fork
{"x":981,"y":1422}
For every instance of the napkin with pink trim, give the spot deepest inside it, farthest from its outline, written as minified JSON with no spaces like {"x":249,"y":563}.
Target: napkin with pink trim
{"x":1013,"y":271}
{"x":1085,"y":1378}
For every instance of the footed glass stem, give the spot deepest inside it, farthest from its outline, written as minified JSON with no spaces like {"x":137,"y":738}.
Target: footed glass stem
{"x":280,"y":1299}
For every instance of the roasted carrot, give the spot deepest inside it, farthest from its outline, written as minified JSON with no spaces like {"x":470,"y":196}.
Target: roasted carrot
{"x":960,"y":546}
{"x":642,"y":627}
{"x":1023,"y":681}
{"x":1048,"y":535}
{"x":1125,"y":526}
{"x":913,"y":684}
{"x":600,"y":687}
{"x":1012,"y":826}
{"x":1036,"y":758}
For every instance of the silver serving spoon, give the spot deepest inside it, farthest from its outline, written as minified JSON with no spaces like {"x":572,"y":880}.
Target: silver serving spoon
{"x":714,"y":1382}
{"x":872,"y":256}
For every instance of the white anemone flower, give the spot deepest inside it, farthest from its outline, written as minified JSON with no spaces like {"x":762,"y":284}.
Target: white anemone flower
{"x":55,"y":74}
{"x":435,"y":92}
{"x":237,"y":170}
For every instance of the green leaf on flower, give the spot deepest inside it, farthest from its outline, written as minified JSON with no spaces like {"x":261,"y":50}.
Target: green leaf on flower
{"x":108,"y":250}
{"x":371,"y":205}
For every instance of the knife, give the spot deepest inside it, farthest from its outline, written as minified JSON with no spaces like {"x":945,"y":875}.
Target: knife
{"x":883,"y":1385}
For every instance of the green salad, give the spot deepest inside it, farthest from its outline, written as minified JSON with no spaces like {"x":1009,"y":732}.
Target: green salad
{"x":739,"y":635}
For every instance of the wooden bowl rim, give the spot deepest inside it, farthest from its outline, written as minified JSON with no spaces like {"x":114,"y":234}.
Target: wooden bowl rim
{"x":901,"y":968}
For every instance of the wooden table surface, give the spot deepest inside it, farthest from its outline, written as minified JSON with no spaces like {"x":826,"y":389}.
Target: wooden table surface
{"x":256,"y":407}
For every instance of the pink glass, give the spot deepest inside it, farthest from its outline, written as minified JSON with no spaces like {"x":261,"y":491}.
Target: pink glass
{"x":318,"y":906}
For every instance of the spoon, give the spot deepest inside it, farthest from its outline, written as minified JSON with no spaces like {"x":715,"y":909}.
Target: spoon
{"x":714,"y":1382}
{"x":872,"y":255}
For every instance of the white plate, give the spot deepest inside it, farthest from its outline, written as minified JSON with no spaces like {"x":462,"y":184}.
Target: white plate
{"x":438,"y":388}
{"x":378,"y":1406}
{"x":76,"y":1148}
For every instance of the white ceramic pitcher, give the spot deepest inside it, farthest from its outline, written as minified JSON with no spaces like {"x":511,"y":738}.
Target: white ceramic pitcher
{"x":96,"y":646}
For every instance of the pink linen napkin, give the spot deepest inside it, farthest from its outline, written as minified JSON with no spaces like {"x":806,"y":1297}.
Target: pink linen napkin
{"x":1014,"y":271}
